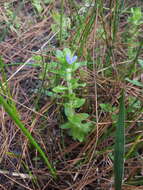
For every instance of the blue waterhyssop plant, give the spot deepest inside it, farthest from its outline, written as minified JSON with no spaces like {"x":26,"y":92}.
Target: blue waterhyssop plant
{"x":76,"y":122}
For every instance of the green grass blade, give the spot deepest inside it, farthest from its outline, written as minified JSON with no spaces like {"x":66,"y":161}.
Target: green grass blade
{"x":61,"y":20}
{"x":119,"y":145}
{"x":15,"y":118}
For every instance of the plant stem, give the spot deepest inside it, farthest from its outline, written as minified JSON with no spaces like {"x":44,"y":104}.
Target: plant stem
{"x":70,"y":90}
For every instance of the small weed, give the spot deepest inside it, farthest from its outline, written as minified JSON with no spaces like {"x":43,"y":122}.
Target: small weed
{"x":134,"y":21}
{"x":63,"y":25}
{"x":67,"y":66}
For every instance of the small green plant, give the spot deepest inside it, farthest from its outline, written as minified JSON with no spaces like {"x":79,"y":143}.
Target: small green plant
{"x":66,"y":67}
{"x":13,"y":22}
{"x":37,"y":4}
{"x":63,"y":24}
{"x":135,"y":21}
{"x":106,"y":107}
{"x":137,"y":82}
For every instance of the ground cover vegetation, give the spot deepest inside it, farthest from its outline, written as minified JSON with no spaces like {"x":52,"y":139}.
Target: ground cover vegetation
{"x":71,"y":84}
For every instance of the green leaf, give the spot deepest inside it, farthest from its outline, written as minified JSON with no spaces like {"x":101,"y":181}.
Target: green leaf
{"x":76,"y":65}
{"x":78,"y":102}
{"x":107,"y":107}
{"x":82,"y":85}
{"x":66,"y":126}
{"x":76,"y":85}
{"x":37,"y":5}
{"x":86,"y":127}
{"x":51,"y":66}
{"x":60,"y":89}
{"x":37,"y":58}
{"x":136,"y":15}
{"x":51,"y":94}
{"x":68,"y":109}
{"x":47,"y":1}
{"x":77,"y":134}
{"x":134,"y":82}
{"x":67,"y":51}
{"x":119,"y":145}
{"x":140,"y":61}
{"x":80,"y":130}
{"x":78,"y":118}
{"x":59,"y":54}
{"x":83,"y":116}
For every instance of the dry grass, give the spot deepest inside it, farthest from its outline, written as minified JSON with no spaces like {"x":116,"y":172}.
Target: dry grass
{"x":80,"y":166}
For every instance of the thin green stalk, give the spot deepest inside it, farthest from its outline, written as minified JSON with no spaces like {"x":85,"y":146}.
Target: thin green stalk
{"x":108,"y":41}
{"x":61,"y":20}
{"x":133,"y":146}
{"x":69,"y":77}
{"x":44,"y":67}
{"x":74,"y":5}
{"x":4,"y":86}
{"x":116,"y":19}
{"x":14,"y":117}
{"x":119,"y":145}
{"x":70,"y":90}
{"x":133,"y":66}
{"x":84,"y":29}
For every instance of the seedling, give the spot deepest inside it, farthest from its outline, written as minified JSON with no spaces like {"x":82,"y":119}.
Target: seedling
{"x":76,"y":122}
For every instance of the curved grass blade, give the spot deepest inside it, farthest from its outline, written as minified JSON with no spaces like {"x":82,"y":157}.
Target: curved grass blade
{"x":15,"y":118}
{"x":119,"y":145}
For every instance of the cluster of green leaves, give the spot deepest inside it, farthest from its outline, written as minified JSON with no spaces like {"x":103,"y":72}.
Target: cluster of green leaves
{"x":106,"y":107}
{"x":136,"y":82}
{"x":12,"y":22}
{"x":37,"y":4}
{"x":64,"y":70}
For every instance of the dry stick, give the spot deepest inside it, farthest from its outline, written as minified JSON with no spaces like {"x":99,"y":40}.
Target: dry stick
{"x":16,"y":181}
{"x":16,"y":174}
